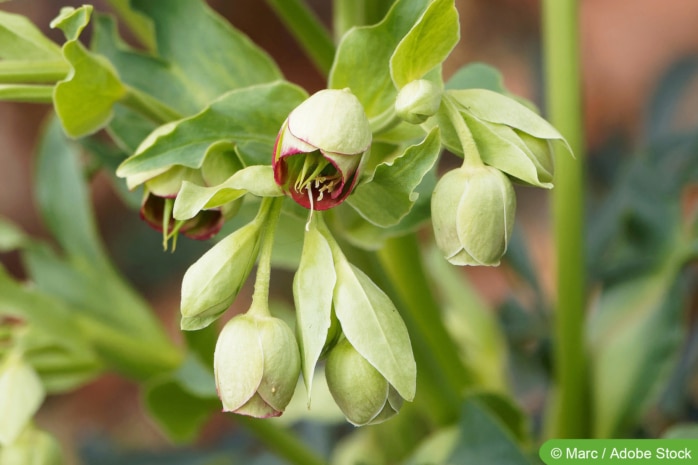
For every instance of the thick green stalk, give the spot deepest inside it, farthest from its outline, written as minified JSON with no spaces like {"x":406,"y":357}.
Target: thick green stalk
{"x":436,"y":353}
{"x":281,"y":441}
{"x":569,"y":411}
{"x":32,"y":71}
{"x":308,"y":30}
{"x":29,"y":93}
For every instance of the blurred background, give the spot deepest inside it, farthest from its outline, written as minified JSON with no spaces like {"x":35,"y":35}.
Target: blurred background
{"x":630,"y":49}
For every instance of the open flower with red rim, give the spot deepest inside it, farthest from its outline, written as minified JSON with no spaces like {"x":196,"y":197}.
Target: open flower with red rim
{"x":319,"y":149}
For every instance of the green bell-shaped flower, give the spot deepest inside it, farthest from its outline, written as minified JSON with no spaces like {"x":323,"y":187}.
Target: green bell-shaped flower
{"x":319,"y":149}
{"x":472,"y":212}
{"x":361,"y":392}
{"x":256,"y":365}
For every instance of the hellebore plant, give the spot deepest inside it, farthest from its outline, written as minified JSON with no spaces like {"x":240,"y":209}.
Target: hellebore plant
{"x":216,"y":132}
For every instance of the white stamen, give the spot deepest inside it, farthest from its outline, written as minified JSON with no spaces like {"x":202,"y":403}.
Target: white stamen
{"x":312,"y":207}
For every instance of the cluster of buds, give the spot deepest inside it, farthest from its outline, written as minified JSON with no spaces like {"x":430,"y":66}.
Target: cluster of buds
{"x":317,"y":159}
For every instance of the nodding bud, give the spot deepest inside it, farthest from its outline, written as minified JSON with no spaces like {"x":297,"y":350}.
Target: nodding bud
{"x":418,"y":101}
{"x":473,"y":215}
{"x":256,"y":365}
{"x":361,"y":392}
{"x":319,"y":149}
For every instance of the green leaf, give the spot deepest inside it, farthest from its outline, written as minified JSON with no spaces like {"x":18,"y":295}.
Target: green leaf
{"x":21,"y":41}
{"x":256,"y":179}
{"x":212,"y":283}
{"x":482,"y":439}
{"x":427,"y":44}
{"x":313,"y":287}
{"x":182,"y":402}
{"x":72,"y":21}
{"x":373,"y":326}
{"x":113,"y":317}
{"x":21,"y":394}
{"x":84,"y":100}
{"x":390,"y":195}
{"x":68,"y":215}
{"x":493,"y":107}
{"x":635,"y":334}
{"x":501,"y":147}
{"x":368,"y":74}
{"x":250,"y":117}
{"x":477,"y":76}
{"x":204,"y":50}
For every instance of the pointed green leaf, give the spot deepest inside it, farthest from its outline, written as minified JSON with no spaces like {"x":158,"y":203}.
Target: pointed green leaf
{"x":313,"y":286}
{"x":20,"y":40}
{"x":256,"y":179}
{"x":390,"y":195}
{"x":68,"y":216}
{"x":427,"y":44}
{"x":374,"y":327}
{"x":499,"y":146}
{"x":482,"y":438}
{"x":21,"y":394}
{"x":368,"y":74}
{"x":205,"y":50}
{"x":72,"y":21}
{"x":211,"y":284}
{"x":250,"y":117}
{"x":192,"y":389}
{"x":499,"y":109}
{"x":628,"y":374}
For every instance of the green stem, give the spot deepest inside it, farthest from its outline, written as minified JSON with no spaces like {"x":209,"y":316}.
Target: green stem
{"x":347,"y":14}
{"x":32,"y":71}
{"x":436,"y":353}
{"x":308,"y":30}
{"x":27,"y":93}
{"x":270,"y":209}
{"x":471,"y":155}
{"x":149,"y":107}
{"x":569,"y":414}
{"x":281,"y":441}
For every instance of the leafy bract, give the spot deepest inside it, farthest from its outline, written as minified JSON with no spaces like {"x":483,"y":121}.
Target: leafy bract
{"x":21,"y":394}
{"x":211,"y":284}
{"x":84,"y":99}
{"x":22,"y":41}
{"x":373,"y":326}
{"x":313,"y":286}
{"x":493,"y":107}
{"x":368,"y":74}
{"x":256,"y":179}
{"x":390,"y":194}
{"x":427,"y":44}
{"x":249,"y":117}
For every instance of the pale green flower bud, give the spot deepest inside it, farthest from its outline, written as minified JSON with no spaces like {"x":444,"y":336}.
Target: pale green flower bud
{"x":473,"y":215}
{"x":418,"y":101}
{"x":256,"y":365}
{"x":361,"y":392}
